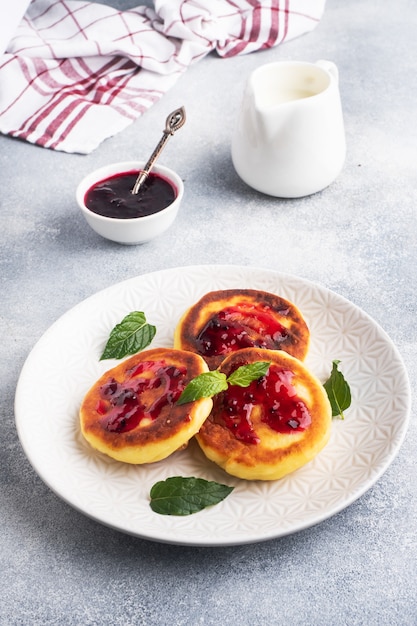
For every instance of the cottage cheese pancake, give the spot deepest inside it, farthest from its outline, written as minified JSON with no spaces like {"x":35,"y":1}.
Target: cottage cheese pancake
{"x":131,"y":414}
{"x":272,"y":427}
{"x":222,"y":322}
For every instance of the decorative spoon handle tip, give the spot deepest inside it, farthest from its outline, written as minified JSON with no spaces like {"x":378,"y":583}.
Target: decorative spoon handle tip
{"x":174,"y":121}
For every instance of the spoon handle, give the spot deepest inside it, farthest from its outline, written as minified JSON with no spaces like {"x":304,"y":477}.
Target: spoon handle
{"x":174,"y":121}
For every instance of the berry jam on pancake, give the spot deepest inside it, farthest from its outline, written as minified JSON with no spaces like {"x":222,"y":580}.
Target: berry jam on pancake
{"x":222,"y":322}
{"x":131,"y":414}
{"x":272,"y":427}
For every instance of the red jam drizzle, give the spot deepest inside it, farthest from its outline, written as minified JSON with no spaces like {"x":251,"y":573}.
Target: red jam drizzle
{"x":241,"y":326}
{"x":286,"y":412}
{"x":123,"y":405}
{"x":113,"y":196}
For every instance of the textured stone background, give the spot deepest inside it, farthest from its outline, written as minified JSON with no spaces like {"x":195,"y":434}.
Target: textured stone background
{"x":358,"y":237}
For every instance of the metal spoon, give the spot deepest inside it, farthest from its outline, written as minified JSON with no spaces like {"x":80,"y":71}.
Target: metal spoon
{"x":174,"y":121}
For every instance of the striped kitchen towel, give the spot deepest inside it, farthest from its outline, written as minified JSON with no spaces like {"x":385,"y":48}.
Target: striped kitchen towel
{"x":76,"y":72}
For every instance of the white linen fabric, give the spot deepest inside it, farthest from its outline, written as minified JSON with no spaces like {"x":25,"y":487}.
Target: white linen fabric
{"x":76,"y":72}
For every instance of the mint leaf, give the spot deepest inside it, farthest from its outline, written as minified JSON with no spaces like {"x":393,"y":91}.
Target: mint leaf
{"x":244,"y":375}
{"x":205,"y":385}
{"x":130,"y":336}
{"x":184,"y":496}
{"x":209,"y":384}
{"x":338,"y":391}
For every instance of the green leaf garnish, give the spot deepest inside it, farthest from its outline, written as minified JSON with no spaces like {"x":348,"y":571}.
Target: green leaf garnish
{"x":338,"y":391}
{"x":244,"y":375}
{"x":205,"y":385}
{"x":184,"y":496}
{"x":130,"y":336}
{"x":208,"y":384}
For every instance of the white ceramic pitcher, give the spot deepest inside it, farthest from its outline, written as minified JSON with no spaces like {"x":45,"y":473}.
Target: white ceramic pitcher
{"x":289,"y":140}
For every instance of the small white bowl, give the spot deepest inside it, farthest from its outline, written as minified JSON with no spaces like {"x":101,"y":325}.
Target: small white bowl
{"x":135,"y":230}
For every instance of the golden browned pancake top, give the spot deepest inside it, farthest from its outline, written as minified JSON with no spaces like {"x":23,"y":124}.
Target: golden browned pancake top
{"x":224,"y":321}
{"x":131,"y":414}
{"x":272,"y":427}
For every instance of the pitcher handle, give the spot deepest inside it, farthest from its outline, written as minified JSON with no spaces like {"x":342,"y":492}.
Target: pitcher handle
{"x":330,"y":67}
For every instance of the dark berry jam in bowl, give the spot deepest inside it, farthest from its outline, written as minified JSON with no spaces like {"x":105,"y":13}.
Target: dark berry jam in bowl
{"x":106,"y":201}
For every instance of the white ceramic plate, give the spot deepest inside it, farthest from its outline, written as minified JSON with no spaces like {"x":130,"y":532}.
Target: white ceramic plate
{"x":65,"y":363}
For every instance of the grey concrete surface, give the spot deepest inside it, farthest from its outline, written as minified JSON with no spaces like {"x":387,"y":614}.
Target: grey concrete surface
{"x":358,"y":237}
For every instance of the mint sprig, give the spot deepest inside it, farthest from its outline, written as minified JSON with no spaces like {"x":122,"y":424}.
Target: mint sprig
{"x":245,"y":374}
{"x":338,"y":391}
{"x":205,"y":385}
{"x":180,"y":495}
{"x":208,"y":384}
{"x":132,"y":335}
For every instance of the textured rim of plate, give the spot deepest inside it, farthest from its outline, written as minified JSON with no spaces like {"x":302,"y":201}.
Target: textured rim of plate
{"x":173,"y":532}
